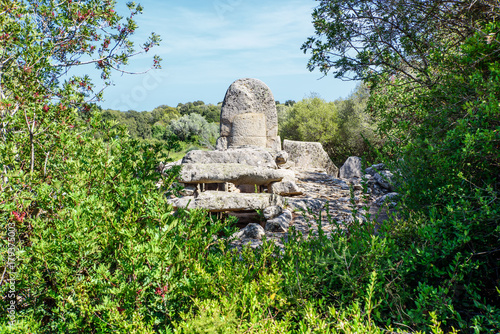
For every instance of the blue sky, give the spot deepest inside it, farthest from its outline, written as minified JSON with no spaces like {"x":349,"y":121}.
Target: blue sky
{"x":206,"y":45}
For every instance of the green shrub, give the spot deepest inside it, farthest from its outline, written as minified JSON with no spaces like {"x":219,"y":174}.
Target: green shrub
{"x":343,"y":127}
{"x":195,"y":128}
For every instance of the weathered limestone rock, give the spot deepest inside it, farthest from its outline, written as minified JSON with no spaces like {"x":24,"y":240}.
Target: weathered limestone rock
{"x":280,"y":223}
{"x":274,"y":144}
{"x":221,"y":144}
{"x":248,"y":129}
{"x":251,"y":231}
{"x":272,"y":212}
{"x":281,"y":157}
{"x":385,"y":179}
{"x":351,"y":168}
{"x":390,"y":199}
{"x":253,"y":156}
{"x":216,"y":201}
{"x":309,"y":156}
{"x":284,"y":188}
{"x":231,"y":187}
{"x":374,"y":169}
{"x":189,"y":190}
{"x":249,"y":96}
{"x":162,"y":167}
{"x":231,"y":172}
{"x":287,"y":165}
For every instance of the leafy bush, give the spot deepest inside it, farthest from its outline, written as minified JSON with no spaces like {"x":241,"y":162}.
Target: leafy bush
{"x":450,"y":133}
{"x":195,"y":128}
{"x":312,"y":119}
{"x":343,"y":127}
{"x":209,"y":111}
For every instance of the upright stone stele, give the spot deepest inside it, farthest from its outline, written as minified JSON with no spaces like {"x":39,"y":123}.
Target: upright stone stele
{"x":248,"y":116}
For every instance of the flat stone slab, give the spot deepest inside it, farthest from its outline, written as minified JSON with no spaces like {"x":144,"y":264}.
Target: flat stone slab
{"x":216,"y":201}
{"x":231,"y":172}
{"x":253,"y":156}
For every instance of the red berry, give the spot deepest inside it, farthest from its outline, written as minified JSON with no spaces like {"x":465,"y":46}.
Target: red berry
{"x":18,"y":217}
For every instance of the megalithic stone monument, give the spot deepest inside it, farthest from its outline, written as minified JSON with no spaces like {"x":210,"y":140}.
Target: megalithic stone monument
{"x":249,"y":117}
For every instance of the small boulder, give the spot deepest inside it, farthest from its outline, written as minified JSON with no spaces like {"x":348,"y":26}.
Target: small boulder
{"x":375,"y":169}
{"x":164,"y":167}
{"x":254,"y":231}
{"x":188,"y":190}
{"x":280,"y":223}
{"x":351,"y":168}
{"x":385,"y":179}
{"x":284,"y":188}
{"x":221,"y":144}
{"x":281,"y":158}
{"x":272,"y":211}
{"x":390,"y":199}
{"x":251,"y":231}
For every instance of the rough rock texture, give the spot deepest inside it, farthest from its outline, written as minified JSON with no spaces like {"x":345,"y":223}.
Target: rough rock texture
{"x":272,"y":212}
{"x":162,"y":167}
{"x":281,"y":223}
{"x":249,"y":96}
{"x":234,"y":173}
{"x":285,"y":188}
{"x":374,"y":169}
{"x":251,"y":231}
{"x":326,"y":199}
{"x":281,"y":157}
{"x":388,"y":199}
{"x":309,"y":156}
{"x":351,"y":168}
{"x":274,"y":144}
{"x":287,"y":165}
{"x":189,"y":189}
{"x":248,"y":129}
{"x":221,"y":144}
{"x":252,"y":156}
{"x":216,"y":201}
{"x":385,"y":179}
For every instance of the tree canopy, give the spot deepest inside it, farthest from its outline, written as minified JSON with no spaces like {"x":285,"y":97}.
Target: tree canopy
{"x":40,"y":42}
{"x":433,"y":68}
{"x":362,"y":39}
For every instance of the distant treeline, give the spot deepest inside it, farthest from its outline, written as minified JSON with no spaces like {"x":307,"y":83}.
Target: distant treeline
{"x":164,"y":121}
{"x":342,"y":126}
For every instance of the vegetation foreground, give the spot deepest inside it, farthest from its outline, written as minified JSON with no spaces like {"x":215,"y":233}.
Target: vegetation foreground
{"x":89,"y":244}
